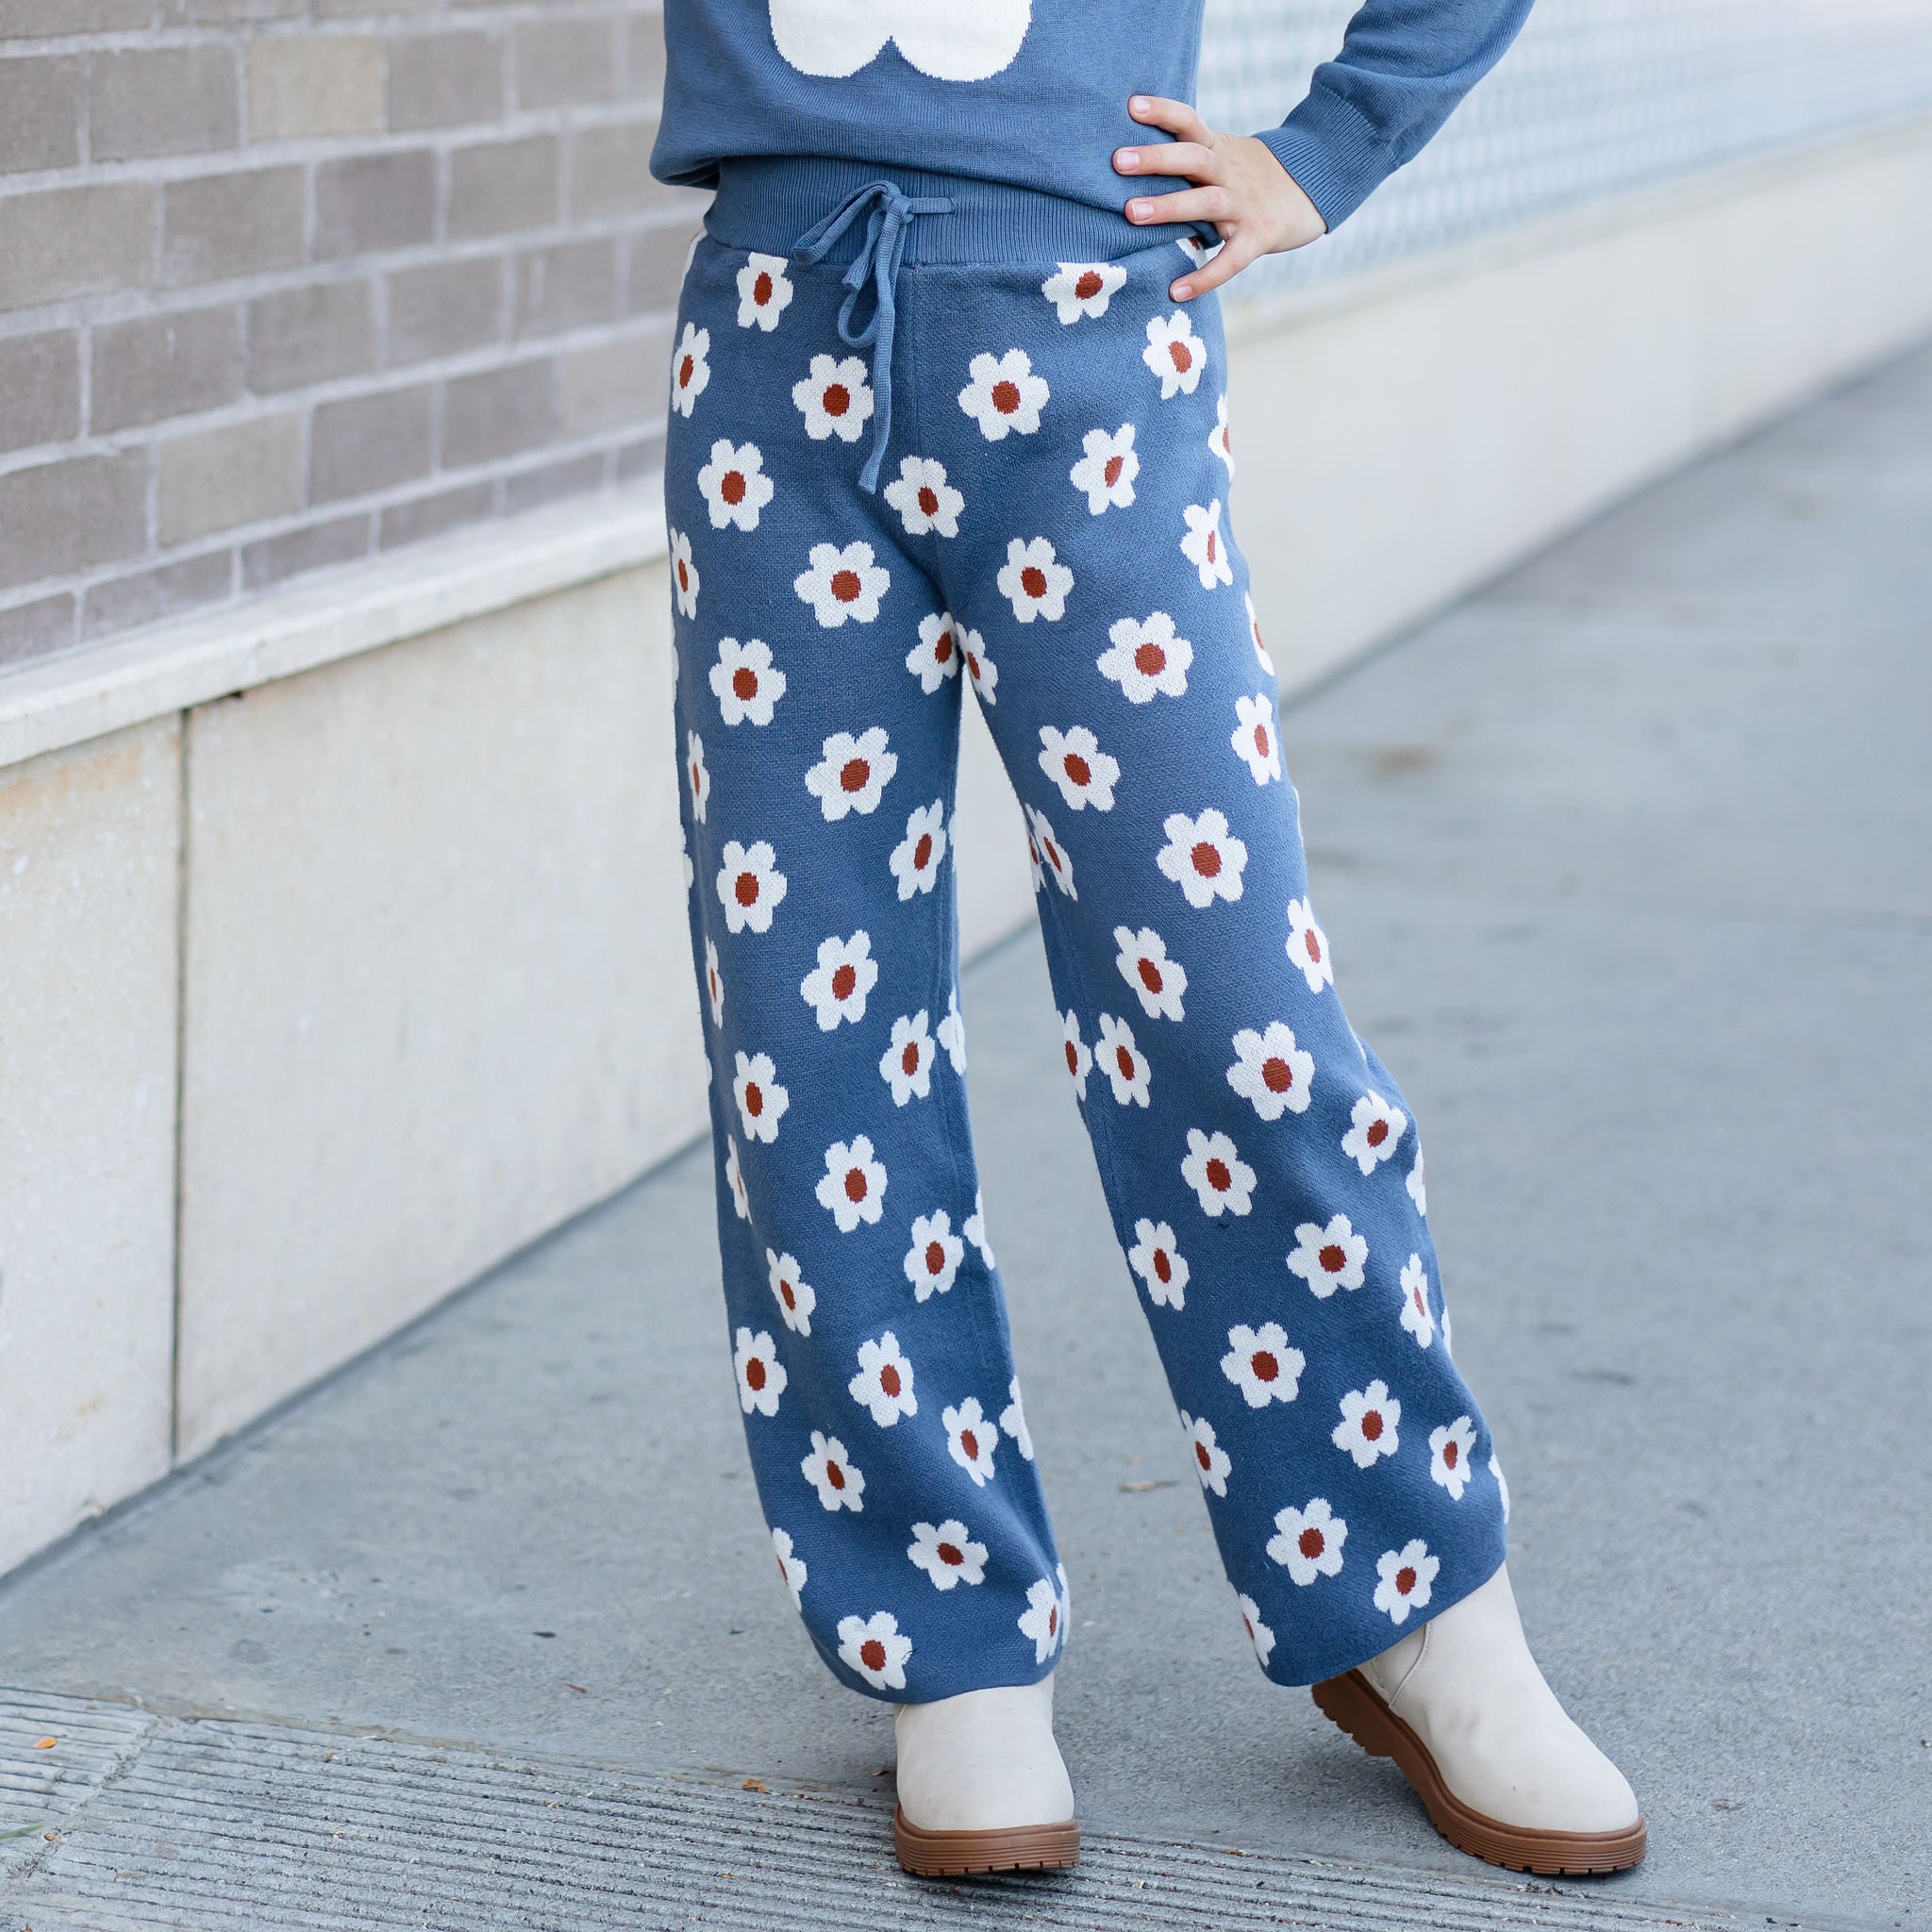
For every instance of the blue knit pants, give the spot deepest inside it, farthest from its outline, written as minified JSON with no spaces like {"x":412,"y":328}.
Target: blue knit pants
{"x":1050,"y":526}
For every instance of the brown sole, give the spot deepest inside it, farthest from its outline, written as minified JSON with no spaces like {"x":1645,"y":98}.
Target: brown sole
{"x":976,"y":1853}
{"x":1355,"y":1704}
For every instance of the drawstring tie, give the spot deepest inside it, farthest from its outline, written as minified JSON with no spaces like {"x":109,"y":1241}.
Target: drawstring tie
{"x":888,"y":213}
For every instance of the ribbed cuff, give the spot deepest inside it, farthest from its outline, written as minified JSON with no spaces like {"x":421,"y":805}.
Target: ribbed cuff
{"x":1333,"y":152}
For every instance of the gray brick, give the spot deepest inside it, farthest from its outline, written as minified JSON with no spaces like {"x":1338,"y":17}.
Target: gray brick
{"x":430,"y":516}
{"x":613,"y":382}
{"x":368,"y":202}
{"x":499,"y":413}
{"x":507,"y":185}
{"x":40,"y":113}
{"x":364,"y":444}
{"x":574,"y":477}
{"x":26,"y":20}
{"x":314,"y":84}
{"x":157,"y":366}
{"x":569,"y":286}
{"x":444,"y":307}
{"x":644,"y":457}
{"x":65,"y":242}
{"x":313,"y":548}
{"x":610,"y":171}
{"x":561,"y":63}
{"x":72,"y":515}
{"x":213,"y":479}
{"x":36,"y":629}
{"x":444,"y":80}
{"x":40,"y":389}
{"x":164,"y":101}
{"x":146,"y":596}
{"x":658,"y":256}
{"x":232,"y":225}
{"x":313,"y":334}
{"x":646,"y":71}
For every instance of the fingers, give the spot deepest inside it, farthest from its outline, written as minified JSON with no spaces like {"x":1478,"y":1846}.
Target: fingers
{"x":1185,"y":205}
{"x":1187,"y":158}
{"x":1220,"y":269}
{"x":1176,"y":116}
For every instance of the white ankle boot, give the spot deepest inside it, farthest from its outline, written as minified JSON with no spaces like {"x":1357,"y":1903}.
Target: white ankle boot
{"x":1463,"y":1710}
{"x":982,"y":1787}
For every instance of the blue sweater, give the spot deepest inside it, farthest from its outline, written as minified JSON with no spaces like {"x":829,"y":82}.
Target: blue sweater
{"x":985,"y":88}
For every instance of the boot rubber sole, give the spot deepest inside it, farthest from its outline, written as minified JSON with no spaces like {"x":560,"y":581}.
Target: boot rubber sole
{"x":1354,"y":1703}
{"x":975,"y":1854}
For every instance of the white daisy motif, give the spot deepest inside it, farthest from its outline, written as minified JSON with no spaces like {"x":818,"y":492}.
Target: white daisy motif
{"x":790,"y":1291}
{"x":1013,"y":1418}
{"x":1328,"y":1258}
{"x":925,"y":500}
{"x":1158,"y":982}
{"x":953,"y":1038}
{"x":1159,"y":1263}
{"x":691,"y":870}
{"x":1042,"y":1619}
{"x":735,"y":484}
{"x":1418,"y":1186}
{"x":1254,"y":739}
{"x":1004,"y":395}
{"x":761,"y":1101}
{"x":1105,"y":473}
{"x":1219,"y":441}
{"x":883,"y":1385}
{"x":1374,"y":1130}
{"x":696,"y":775}
{"x":714,"y":983}
{"x":1052,"y":852}
{"x":1211,"y":1462}
{"x":1198,"y":252}
{"x":764,"y":291}
{"x":933,"y":1259}
{"x":1204,"y":546}
{"x":853,"y":1187}
{"x":1502,"y":1486}
{"x":1146,"y":658}
{"x":749,"y":886}
{"x":791,"y":1568}
{"x":852,"y":773}
{"x":1262,"y":1364}
{"x":1270,"y":1073}
{"x":974,"y":1232}
{"x":1220,"y":1179}
{"x":1308,"y":945}
{"x":1033,"y":582}
{"x":906,"y":1066}
{"x":835,"y":399}
{"x":1367,"y":1428}
{"x":1202,"y":856}
{"x":683,"y":573}
{"x":1449,"y":1448}
{"x":734,"y":1179}
{"x":971,"y":1439}
{"x":1308,"y":1542}
{"x":1405,"y":1579}
{"x":915,"y":860}
{"x":761,"y":1374}
{"x":1174,"y":354}
{"x":837,"y":987}
{"x":1266,"y":662}
{"x":874,"y":1647}
{"x":984,"y":673}
{"x":746,"y":682}
{"x":1259,"y":1633}
{"x":843,"y":583}
{"x":1416,"y":1315}
{"x":935,"y":656}
{"x":1078,"y":289}
{"x":1080,"y":1055}
{"x":1075,"y":762}
{"x":691,"y":368}
{"x":947,"y":1554}
{"x":1123,"y":1062}
{"x":838,"y":1482}
{"x":1033,"y":857}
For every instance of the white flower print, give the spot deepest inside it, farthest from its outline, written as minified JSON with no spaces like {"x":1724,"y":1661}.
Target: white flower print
{"x":884,"y":1382}
{"x":1219,"y":1176}
{"x":792,"y":1292}
{"x":1308,"y":945}
{"x":1374,"y":1128}
{"x":980,"y":668}
{"x":734,"y":1179}
{"x":696,"y":775}
{"x":1174,"y":354}
{"x":691,"y":368}
{"x":1197,"y":251}
{"x":933,"y":1259}
{"x":1013,"y":1417}
{"x":1004,"y":395}
{"x":1211,"y":1462}
{"x":874,"y":1647}
{"x":1328,"y":1258}
{"x":1080,"y":1055}
{"x":925,"y":500}
{"x":691,"y":870}
{"x":838,"y":1481}
{"x":1032,"y":582}
{"x":746,"y":682}
{"x":935,"y":656}
{"x":714,"y":983}
{"x":953,"y":1038}
{"x":1502,"y":1486}
{"x":1418,"y":1186}
{"x":947,"y":1553}
{"x":764,"y":291}
{"x":1052,"y":852}
{"x":1266,"y":662}
{"x":735,"y":484}
{"x":1405,"y":1579}
{"x":906,"y":1066}
{"x":1154,"y":1258}
{"x":1157,"y":981}
{"x":852,"y":773}
{"x":1262,"y":1364}
{"x":761,"y":1101}
{"x":1254,"y":739}
{"x":1203,"y":547}
{"x":749,"y":886}
{"x":915,"y":860}
{"x":1367,"y":1428}
{"x":1042,"y":1619}
{"x":1146,"y":657}
{"x":1219,"y":441}
{"x":1416,"y":1315}
{"x":971,"y":1439}
{"x":1075,"y":762}
{"x":1105,"y":473}
{"x":1123,"y":1062}
{"x":1202,"y":856}
{"x":1449,"y":1450}
{"x":1080,"y":289}
{"x":683,"y":573}
{"x":761,"y":1374}
{"x":974,"y":1232}
{"x":837,"y":987}
{"x":1259,"y":1633}
{"x":853,"y":1187}
{"x":1270,"y":1073}
{"x":835,"y":399}
{"x":1033,"y":857}
{"x":1308,"y":1542}
{"x":790,"y":1565}
{"x":843,"y":583}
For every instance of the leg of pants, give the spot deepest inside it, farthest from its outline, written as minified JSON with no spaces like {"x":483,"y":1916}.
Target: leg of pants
{"x":1051,"y":530}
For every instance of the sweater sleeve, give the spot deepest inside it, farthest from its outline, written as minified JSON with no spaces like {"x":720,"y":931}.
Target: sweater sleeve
{"x":1403,"y":67}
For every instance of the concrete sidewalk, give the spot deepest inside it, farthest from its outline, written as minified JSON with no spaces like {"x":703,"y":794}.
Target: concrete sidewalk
{"x":1626,"y":865}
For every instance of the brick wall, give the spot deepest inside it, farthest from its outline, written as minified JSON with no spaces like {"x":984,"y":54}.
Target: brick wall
{"x":287,"y":282}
